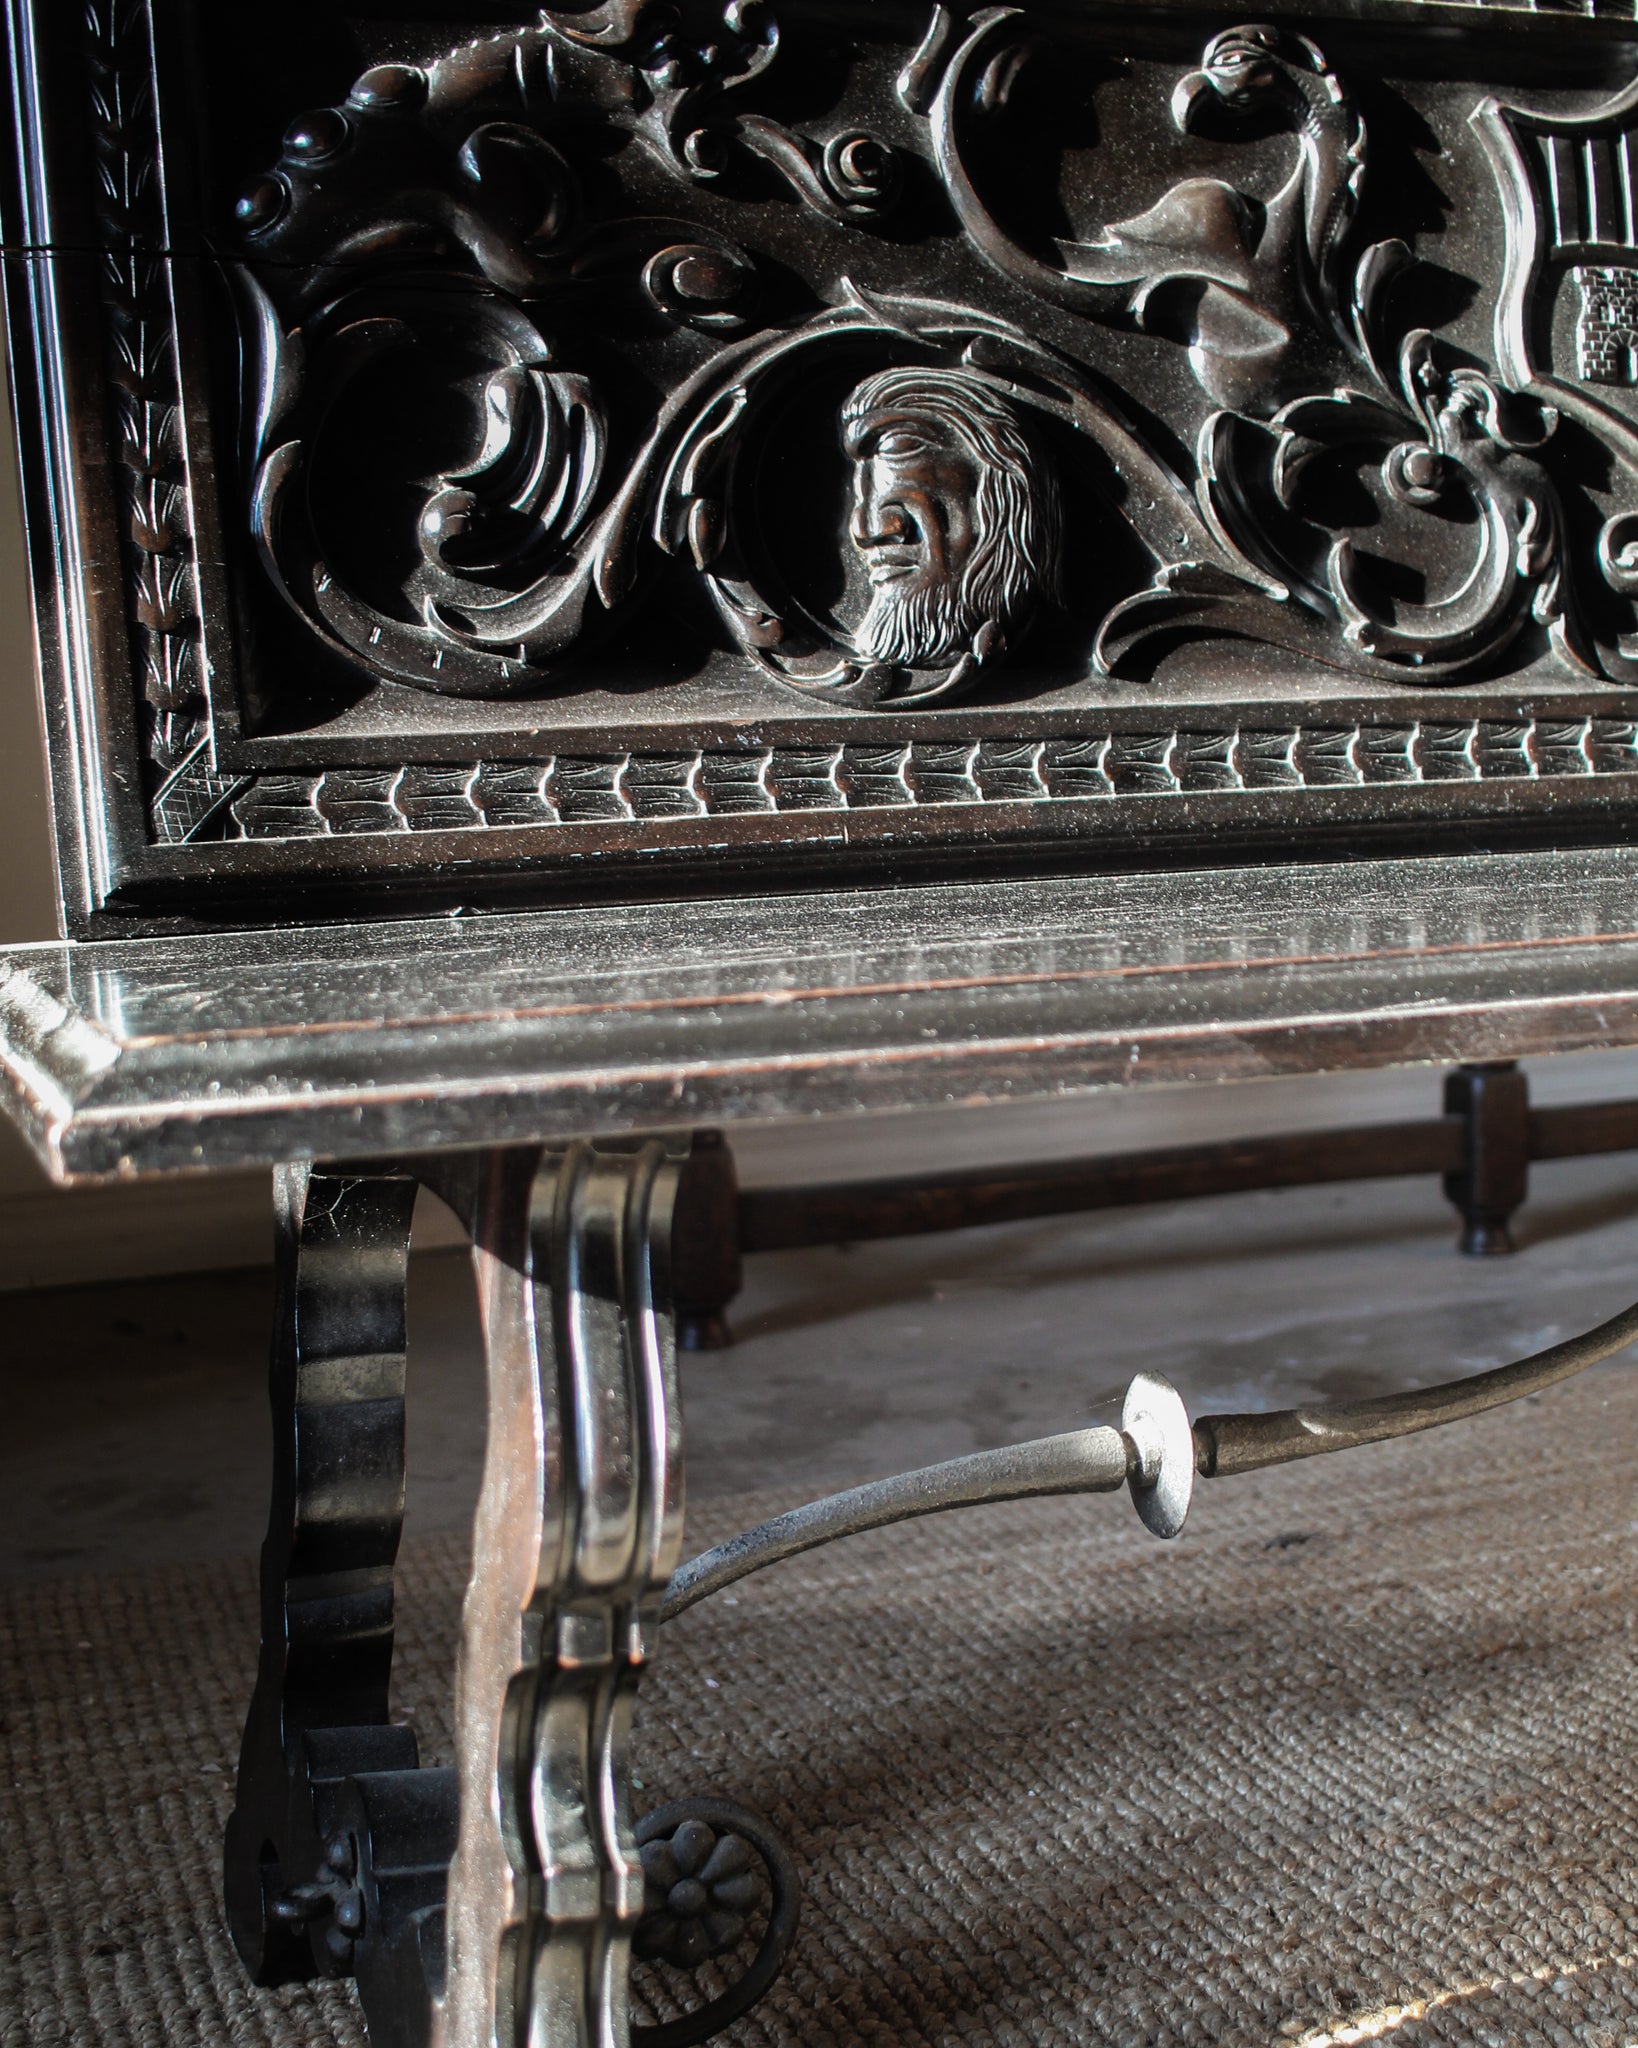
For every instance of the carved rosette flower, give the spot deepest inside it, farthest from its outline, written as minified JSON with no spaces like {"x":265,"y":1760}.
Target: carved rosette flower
{"x":702,"y":1887}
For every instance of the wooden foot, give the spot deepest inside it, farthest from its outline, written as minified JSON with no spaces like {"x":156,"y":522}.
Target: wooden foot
{"x":1494,"y":1102}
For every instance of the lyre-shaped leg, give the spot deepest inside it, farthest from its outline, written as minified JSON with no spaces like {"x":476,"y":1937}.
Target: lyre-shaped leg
{"x":494,"y":1905}
{"x":577,"y":1534}
{"x":319,"y":1711}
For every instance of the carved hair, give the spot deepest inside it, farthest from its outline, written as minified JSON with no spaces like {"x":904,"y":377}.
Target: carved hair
{"x":1016,"y":517}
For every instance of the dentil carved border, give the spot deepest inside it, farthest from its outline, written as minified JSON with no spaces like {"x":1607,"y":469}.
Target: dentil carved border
{"x":580,"y":789}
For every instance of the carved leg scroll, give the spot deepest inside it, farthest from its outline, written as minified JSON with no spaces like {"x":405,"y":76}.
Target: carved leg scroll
{"x":577,"y":1534}
{"x":319,"y":1711}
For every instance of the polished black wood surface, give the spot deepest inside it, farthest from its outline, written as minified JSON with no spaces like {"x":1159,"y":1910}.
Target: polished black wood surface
{"x":409,"y":1037}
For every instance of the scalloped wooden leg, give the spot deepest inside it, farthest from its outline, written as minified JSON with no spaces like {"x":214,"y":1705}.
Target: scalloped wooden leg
{"x":319,"y":1710}
{"x":577,"y":1533}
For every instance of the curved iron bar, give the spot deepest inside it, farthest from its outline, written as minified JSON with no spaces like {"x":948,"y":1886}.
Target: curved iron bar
{"x":1227,"y":1444}
{"x":1081,"y":1461}
{"x":1142,"y":1454}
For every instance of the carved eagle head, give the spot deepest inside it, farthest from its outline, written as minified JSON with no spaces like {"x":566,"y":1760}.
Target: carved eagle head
{"x":1245,"y":68}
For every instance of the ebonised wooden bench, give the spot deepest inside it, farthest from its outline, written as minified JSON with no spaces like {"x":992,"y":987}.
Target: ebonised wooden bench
{"x":602,"y":575}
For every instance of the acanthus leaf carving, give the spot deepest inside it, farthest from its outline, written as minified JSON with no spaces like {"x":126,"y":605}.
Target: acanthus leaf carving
{"x":681,"y":93}
{"x":516,"y":509}
{"x":1453,"y":446}
{"x":1241,"y":279}
{"x":436,"y":225}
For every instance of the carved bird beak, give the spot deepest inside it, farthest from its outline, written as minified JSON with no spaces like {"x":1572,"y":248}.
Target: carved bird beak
{"x":1187,"y":94}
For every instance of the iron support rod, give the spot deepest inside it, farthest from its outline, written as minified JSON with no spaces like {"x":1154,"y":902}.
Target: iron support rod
{"x":1154,"y":1452}
{"x":1081,"y":1461}
{"x":1226,"y":1444}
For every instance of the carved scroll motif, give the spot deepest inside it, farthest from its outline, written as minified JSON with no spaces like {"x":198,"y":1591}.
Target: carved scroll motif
{"x":436,"y":237}
{"x":1238,"y":279}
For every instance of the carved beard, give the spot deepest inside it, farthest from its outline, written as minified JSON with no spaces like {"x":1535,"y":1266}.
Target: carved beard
{"x":918,"y":625}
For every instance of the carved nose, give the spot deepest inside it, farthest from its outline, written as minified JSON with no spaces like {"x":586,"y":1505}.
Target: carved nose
{"x":874,"y":526}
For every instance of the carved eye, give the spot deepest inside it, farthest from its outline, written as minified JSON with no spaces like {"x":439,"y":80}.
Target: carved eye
{"x":901,"y":445}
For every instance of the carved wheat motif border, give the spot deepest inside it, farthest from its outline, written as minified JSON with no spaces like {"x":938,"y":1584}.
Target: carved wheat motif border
{"x":145,"y":400}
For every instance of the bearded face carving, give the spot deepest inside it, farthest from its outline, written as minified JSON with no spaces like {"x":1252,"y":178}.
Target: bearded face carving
{"x":954,"y":515}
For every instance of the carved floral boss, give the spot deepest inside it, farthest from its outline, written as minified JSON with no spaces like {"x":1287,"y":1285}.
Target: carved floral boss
{"x":439,"y":216}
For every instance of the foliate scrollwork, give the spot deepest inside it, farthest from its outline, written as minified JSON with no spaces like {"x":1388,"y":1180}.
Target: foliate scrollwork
{"x":1452,"y":485}
{"x":436,"y":163}
{"x":509,"y":516}
{"x":441,"y":181}
{"x":1435,"y":461}
{"x":680,"y":94}
{"x":1244,"y":280}
{"x":454,"y":481}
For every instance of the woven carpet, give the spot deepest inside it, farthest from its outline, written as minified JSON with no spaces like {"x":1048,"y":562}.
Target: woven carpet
{"x":1353,"y":1760}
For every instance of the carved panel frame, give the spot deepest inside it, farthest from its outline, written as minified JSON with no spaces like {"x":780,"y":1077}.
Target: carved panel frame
{"x":169,"y":498}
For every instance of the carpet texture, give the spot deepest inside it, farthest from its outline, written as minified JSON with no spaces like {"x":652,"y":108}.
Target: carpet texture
{"x":1353,"y":1760}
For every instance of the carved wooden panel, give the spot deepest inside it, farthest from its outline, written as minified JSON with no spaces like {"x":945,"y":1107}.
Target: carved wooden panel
{"x":473,"y":451}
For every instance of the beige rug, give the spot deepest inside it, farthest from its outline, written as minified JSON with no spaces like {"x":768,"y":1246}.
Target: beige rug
{"x":1357,"y":1759}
